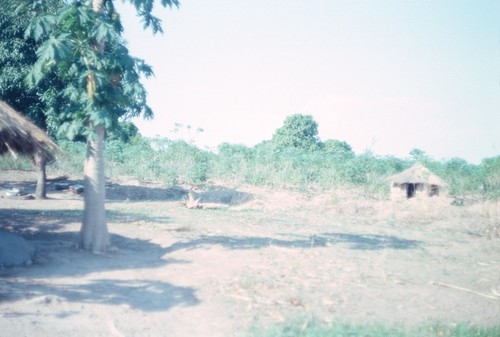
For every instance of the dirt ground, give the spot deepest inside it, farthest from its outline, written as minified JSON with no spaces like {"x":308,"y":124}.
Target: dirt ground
{"x":266,"y":256}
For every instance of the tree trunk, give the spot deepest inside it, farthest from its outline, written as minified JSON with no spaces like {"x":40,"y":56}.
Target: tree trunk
{"x":40,"y":163}
{"x":94,"y":234}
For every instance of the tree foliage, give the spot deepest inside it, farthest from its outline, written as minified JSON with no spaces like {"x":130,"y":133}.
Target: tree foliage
{"x":86,"y":52}
{"x":17,"y":56}
{"x":337,"y":148}
{"x":462,"y":176}
{"x":299,"y":131}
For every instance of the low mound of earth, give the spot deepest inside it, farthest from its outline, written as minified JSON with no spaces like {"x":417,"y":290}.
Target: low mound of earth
{"x":267,"y":257}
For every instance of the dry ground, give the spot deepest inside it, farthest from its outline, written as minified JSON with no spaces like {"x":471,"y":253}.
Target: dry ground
{"x":269,"y":256}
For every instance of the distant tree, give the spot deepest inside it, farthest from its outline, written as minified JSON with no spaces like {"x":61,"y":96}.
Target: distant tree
{"x":299,"y":131}
{"x":123,"y":132}
{"x":394,"y":165}
{"x":337,"y":148}
{"x":84,"y":47}
{"x":459,"y":174}
{"x":418,"y":155}
{"x":187,"y":132}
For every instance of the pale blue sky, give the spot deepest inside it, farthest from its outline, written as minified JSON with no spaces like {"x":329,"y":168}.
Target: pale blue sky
{"x":387,"y":76}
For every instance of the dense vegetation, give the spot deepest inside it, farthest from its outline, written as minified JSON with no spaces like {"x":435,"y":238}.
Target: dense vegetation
{"x":284,"y":161}
{"x":267,"y":164}
{"x":327,"y":165}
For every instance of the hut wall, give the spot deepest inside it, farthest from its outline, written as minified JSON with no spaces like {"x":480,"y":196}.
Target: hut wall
{"x":410,"y":190}
{"x":398,"y":191}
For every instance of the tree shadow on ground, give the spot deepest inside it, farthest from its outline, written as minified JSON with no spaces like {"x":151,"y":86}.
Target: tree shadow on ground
{"x":114,"y":192}
{"x":119,"y":192}
{"x":58,"y":256}
{"x":23,"y":221}
{"x":47,"y":230}
{"x":354,"y":241}
{"x":144,"y":295}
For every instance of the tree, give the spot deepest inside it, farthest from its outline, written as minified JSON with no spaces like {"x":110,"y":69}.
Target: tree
{"x":337,"y":148}
{"x":299,"y":131}
{"x":124,"y":132}
{"x":461,"y":176}
{"x":17,"y":56}
{"x":85,"y":49}
{"x":418,"y":155}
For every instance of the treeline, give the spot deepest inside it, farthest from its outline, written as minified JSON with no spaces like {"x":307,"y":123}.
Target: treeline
{"x":267,"y":164}
{"x":294,"y":157}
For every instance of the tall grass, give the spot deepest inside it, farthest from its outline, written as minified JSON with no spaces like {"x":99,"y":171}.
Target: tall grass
{"x":9,"y":162}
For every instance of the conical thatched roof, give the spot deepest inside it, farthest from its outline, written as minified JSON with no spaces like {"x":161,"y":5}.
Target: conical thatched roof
{"x":19,"y":136}
{"x":418,"y":173}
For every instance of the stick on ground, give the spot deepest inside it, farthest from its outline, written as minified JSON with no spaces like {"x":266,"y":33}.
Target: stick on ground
{"x":466,"y":290}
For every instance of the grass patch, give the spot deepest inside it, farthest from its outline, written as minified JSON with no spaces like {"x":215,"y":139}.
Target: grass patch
{"x":313,"y":328}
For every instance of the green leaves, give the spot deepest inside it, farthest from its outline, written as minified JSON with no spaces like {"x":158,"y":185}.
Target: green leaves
{"x":299,"y":131}
{"x":55,"y":49}
{"x":39,"y":27}
{"x":85,"y":51}
{"x":103,"y":31}
{"x":144,"y":9}
{"x":50,"y":52}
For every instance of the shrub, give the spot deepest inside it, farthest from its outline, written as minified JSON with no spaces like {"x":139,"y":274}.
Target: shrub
{"x":491,"y":178}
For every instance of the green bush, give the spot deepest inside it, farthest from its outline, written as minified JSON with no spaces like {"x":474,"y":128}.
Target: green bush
{"x":491,"y":178}
{"x":233,"y":163}
{"x":462,"y":177}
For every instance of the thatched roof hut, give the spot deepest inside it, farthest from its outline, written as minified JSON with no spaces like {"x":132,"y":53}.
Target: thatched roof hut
{"x":418,"y":179}
{"x":19,"y":136}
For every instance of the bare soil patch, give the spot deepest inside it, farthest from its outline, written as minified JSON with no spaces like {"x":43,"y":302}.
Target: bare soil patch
{"x":276,"y":255}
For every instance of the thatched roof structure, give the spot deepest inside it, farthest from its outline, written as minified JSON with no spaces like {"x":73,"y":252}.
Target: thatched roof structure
{"x":19,"y":136}
{"x":417,"y":174}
